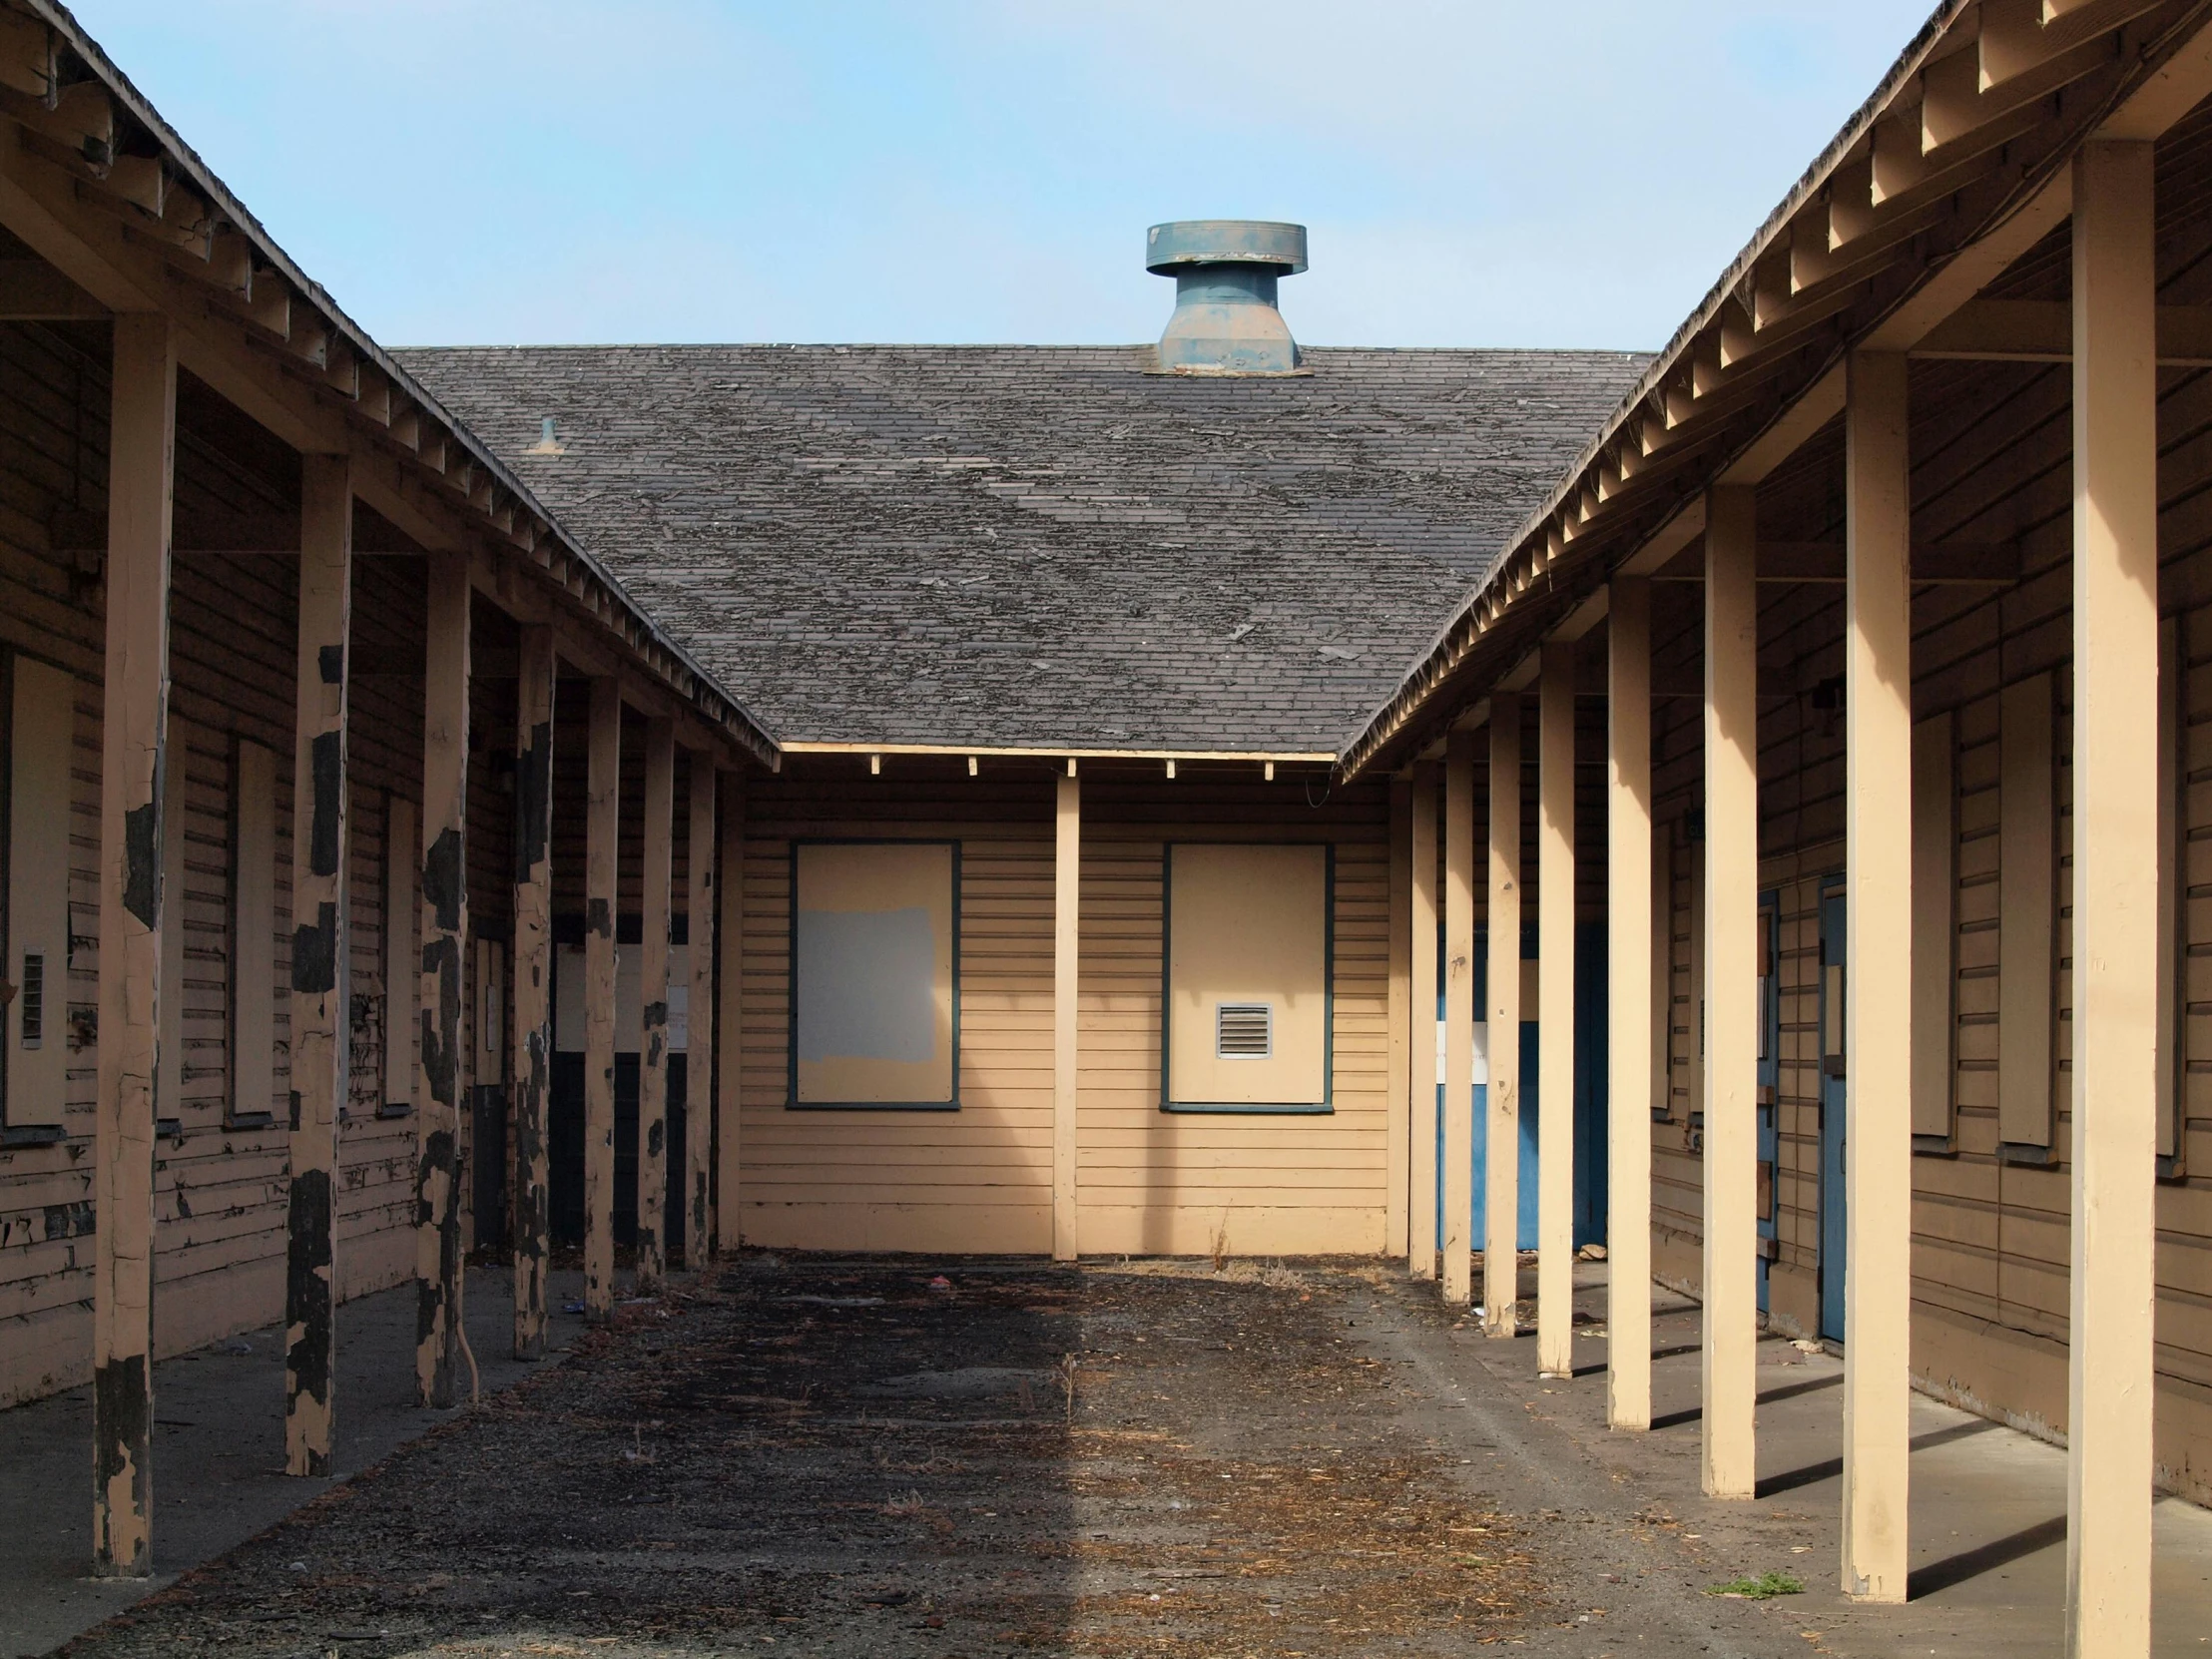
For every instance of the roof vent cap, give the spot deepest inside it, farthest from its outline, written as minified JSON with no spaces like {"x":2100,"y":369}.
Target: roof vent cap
{"x":1224,"y":273}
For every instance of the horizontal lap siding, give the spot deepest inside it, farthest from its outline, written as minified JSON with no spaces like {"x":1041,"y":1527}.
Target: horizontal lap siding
{"x":976,"y":1179}
{"x":219,"y":1191}
{"x":1990,"y":1237}
{"x":1147,"y":1180}
{"x":1151,"y":1181}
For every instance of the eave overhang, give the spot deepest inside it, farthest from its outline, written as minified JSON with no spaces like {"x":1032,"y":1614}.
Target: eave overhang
{"x":1954,"y":166}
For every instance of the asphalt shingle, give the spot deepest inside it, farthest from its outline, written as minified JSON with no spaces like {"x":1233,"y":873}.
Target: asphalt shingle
{"x":1016,"y":546}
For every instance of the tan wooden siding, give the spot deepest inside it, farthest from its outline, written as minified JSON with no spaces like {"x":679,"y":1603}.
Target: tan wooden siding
{"x":976,"y":1179}
{"x":1990,"y":1234}
{"x":1195,"y":1183}
{"x":980,"y":1178}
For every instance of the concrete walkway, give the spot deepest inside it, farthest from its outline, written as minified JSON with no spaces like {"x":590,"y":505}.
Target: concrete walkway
{"x":1989,"y":1505}
{"x":218,"y":1451}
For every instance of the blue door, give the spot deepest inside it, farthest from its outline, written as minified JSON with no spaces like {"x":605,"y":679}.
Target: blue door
{"x":1589,"y":1097}
{"x":1832,"y":1112}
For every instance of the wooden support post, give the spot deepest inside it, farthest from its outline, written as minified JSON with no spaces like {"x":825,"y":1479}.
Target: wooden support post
{"x":1457,"y":1268}
{"x":134,"y":733}
{"x":729,"y":1017}
{"x":2116,"y":858}
{"x":438,"y":989}
{"x":699,"y":1014}
{"x":1502,"y":1187}
{"x":1420,"y":1233}
{"x":1877,"y":955}
{"x":602,"y":836}
{"x":1397,"y":1136}
{"x":1555,"y":1014}
{"x":1067,"y":885}
{"x":1731,"y":1321}
{"x":660,"y":833}
{"x":532,"y":1208}
{"x":320,"y":1030}
{"x":1628,"y":966}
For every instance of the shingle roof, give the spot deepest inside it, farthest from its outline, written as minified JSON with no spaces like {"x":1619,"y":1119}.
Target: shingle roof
{"x":1037,"y":546}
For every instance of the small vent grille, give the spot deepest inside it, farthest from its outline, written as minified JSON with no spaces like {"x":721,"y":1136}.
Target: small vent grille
{"x":1244,"y":1030}
{"x":34,"y":999}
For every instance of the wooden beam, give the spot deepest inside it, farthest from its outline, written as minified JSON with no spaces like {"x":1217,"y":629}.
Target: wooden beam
{"x":1555,"y":1033}
{"x":1628,"y":921}
{"x":320,"y":1034}
{"x":602,"y":838}
{"x":134,"y":736}
{"x":31,"y":290}
{"x":1877,"y":959}
{"x":729,"y":1017}
{"x":294,"y":395}
{"x":1067,"y":885}
{"x":1398,"y":1137}
{"x":1730,"y":1325}
{"x":438,"y":983}
{"x":699,"y":849}
{"x":1421,"y":1237}
{"x":1972,"y":268}
{"x":235,"y":535}
{"x":1820,"y":403}
{"x":2170,"y":92}
{"x":1935,"y":564}
{"x":532,"y":1206}
{"x":658,"y":882}
{"x":2112,"y":1281}
{"x":2042,"y":332}
{"x":1684,"y":527}
{"x":1457,"y":1268}
{"x":1501,"y":1024}
{"x":2019,"y":37}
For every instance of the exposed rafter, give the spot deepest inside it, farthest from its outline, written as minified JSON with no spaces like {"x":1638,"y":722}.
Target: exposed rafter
{"x":1951,"y":170}
{"x":125,"y":217}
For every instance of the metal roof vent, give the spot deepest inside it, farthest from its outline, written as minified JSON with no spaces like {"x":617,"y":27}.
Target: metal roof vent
{"x":1224,"y":273}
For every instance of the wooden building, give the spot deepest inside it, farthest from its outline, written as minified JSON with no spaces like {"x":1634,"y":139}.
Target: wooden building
{"x":975,"y":800}
{"x":1889,"y":578}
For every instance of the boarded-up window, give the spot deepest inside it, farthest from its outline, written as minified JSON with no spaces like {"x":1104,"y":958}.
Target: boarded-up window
{"x":253,"y":938}
{"x":2172,"y":1034}
{"x":1248,"y":931}
{"x":43,"y":735}
{"x":169,"y":1085}
{"x":2028,"y":882}
{"x":401,"y":914}
{"x":874,"y":1000}
{"x":1935,"y":927}
{"x":1662,"y":970}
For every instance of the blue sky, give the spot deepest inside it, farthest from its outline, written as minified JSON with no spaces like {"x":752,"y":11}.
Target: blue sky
{"x":1488,"y":173}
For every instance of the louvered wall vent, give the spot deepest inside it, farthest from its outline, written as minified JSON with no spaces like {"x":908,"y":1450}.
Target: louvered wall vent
{"x":34,"y":999}
{"x":1244,"y":1030}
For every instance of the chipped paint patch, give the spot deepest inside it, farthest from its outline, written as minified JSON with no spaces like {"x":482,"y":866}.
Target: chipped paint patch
{"x":309,"y":1333}
{"x":123,"y":1422}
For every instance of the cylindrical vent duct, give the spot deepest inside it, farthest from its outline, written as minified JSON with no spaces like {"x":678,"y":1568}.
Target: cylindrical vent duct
{"x":1224,"y":273}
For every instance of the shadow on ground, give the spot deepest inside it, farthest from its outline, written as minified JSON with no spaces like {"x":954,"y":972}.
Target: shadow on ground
{"x":869,"y":1458}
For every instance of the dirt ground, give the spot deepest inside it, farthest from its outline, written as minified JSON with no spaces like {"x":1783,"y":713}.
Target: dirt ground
{"x":880,"y":1459}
